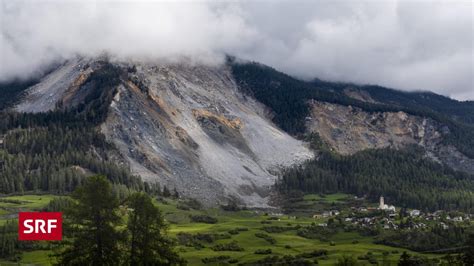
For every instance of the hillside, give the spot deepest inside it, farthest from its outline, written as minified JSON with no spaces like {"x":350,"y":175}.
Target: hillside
{"x":300,"y":107}
{"x":224,"y":133}
{"x":186,"y":127}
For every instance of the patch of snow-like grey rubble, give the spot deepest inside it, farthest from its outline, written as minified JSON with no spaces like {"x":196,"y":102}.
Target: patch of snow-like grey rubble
{"x":43,"y":96}
{"x":215,"y":171}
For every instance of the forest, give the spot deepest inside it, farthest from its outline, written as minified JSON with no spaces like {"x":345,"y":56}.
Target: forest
{"x":403,"y":177}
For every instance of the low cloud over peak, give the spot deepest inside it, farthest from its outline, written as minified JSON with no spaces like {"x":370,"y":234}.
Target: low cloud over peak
{"x":407,"y":45}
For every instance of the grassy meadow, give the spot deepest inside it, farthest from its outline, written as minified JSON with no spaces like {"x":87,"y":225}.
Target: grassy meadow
{"x":249,"y":222}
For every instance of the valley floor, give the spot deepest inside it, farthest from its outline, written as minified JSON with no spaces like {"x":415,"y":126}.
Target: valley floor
{"x":239,"y":226}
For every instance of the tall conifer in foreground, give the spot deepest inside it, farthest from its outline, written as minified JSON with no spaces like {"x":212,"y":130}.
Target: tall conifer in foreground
{"x":148,"y":242}
{"x":93,"y":221}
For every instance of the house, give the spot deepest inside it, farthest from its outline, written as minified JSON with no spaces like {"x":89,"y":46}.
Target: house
{"x":457,"y":219}
{"x":415,"y":213}
{"x":445,"y":226}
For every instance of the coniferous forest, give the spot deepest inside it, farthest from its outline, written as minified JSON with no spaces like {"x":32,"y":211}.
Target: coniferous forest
{"x":401,"y":176}
{"x":54,"y":151}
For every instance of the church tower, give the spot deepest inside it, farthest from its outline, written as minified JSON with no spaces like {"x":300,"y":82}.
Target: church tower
{"x":382,"y":203}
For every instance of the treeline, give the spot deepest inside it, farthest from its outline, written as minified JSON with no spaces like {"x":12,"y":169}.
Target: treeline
{"x":288,"y":97}
{"x":404,"y":177}
{"x":460,"y":111}
{"x":54,"y":151}
{"x":434,"y":239}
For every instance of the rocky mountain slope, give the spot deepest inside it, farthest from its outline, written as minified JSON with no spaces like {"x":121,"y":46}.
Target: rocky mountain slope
{"x":187,"y":127}
{"x":351,"y":118}
{"x":350,"y":129}
{"x":224,"y":133}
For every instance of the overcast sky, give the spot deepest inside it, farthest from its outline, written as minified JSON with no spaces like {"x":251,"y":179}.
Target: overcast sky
{"x":409,"y":45}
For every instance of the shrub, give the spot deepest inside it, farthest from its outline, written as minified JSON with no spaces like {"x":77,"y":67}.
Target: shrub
{"x":232,"y":246}
{"x":232,"y":206}
{"x":373,"y":260}
{"x":285,"y":260}
{"x":188,"y":240}
{"x":211,"y":237}
{"x":232,"y":261}
{"x":233,"y":232}
{"x":263,"y":251}
{"x":189,"y":204}
{"x":182,"y":206}
{"x":203,"y":219}
{"x":276,"y":229}
{"x":196,"y":240}
{"x":267,"y":238}
{"x":314,"y":253}
{"x":217,"y":259}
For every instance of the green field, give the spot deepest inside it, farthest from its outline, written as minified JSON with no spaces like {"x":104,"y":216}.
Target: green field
{"x":287,"y":243}
{"x":252,"y":220}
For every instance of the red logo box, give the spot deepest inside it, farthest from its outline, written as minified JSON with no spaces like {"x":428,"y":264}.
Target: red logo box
{"x":40,"y":226}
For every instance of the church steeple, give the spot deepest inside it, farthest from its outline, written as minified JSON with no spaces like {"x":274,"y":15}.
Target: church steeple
{"x":382,"y":203}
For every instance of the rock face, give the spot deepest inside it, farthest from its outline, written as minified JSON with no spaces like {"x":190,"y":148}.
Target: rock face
{"x":348,"y":130}
{"x":187,"y":127}
{"x":61,"y":84}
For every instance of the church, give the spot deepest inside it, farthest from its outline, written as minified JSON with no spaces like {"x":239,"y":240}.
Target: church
{"x":383,"y":206}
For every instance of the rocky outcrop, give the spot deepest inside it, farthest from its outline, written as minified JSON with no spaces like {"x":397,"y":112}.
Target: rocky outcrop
{"x":348,"y":130}
{"x":59,"y":86}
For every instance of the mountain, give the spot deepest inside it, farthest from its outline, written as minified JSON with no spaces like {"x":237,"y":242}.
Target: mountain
{"x":189,"y":128}
{"x":217,"y":134}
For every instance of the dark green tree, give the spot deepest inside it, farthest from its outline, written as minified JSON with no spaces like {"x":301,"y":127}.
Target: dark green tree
{"x":166,"y":192}
{"x":93,"y":222}
{"x":407,"y":260}
{"x":468,"y":256}
{"x":148,"y":242}
{"x":347,"y":261}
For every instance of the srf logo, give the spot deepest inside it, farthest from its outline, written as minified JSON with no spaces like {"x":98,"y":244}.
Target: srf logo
{"x":40,"y":226}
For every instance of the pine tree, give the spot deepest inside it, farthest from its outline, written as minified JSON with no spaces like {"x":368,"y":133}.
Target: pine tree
{"x":93,"y":220}
{"x":468,"y":256}
{"x":166,"y":192}
{"x":148,"y":242}
{"x":176,"y":193}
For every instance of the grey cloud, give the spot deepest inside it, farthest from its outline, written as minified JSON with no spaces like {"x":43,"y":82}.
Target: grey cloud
{"x":407,"y":45}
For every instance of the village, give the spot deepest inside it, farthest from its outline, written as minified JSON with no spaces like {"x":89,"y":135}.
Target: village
{"x":389,"y":217}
